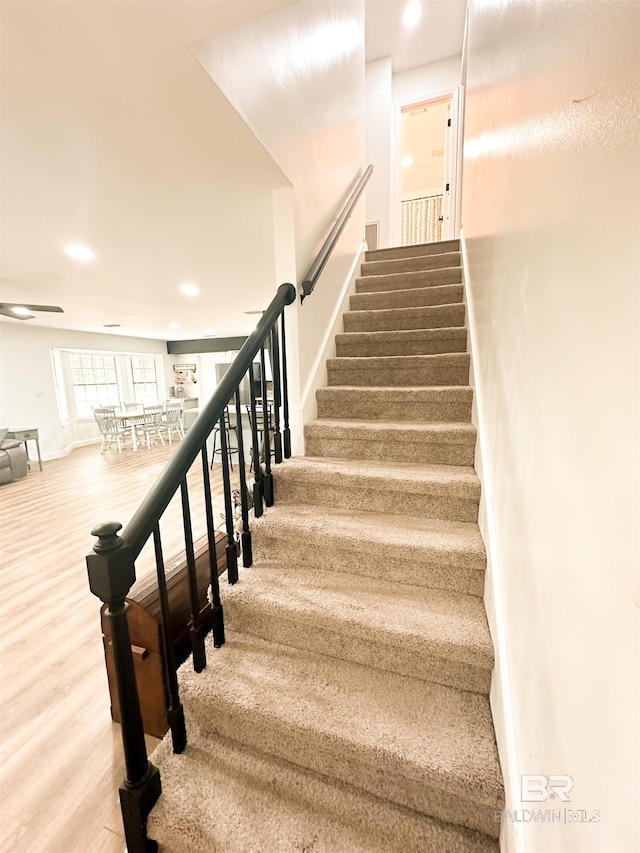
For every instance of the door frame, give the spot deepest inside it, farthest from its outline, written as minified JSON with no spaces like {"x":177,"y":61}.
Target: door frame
{"x":396,"y":168}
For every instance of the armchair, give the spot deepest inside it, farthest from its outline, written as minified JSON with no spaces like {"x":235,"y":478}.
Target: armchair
{"x":13,"y":460}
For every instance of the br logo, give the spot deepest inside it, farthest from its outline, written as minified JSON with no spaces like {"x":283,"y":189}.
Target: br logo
{"x":538,"y":788}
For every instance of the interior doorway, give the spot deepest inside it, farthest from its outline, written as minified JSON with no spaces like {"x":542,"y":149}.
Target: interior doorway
{"x":426,"y":171}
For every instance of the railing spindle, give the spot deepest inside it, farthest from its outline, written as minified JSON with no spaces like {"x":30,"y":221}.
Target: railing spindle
{"x":266,"y":423}
{"x":232,"y":554}
{"x":195,"y":628}
{"x":275,"y":369}
{"x":247,"y":551}
{"x":286,"y":434}
{"x":258,"y":488}
{"x":217,"y":616}
{"x":175,"y":711}
{"x":112,"y":573}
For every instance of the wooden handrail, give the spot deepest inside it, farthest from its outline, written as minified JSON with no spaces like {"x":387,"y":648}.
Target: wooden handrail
{"x":315,"y":270}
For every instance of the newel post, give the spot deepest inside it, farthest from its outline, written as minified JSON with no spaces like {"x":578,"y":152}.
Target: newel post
{"x":111,"y":575}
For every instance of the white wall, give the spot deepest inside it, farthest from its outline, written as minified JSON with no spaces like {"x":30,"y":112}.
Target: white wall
{"x":551,"y":226}
{"x":427,"y":81}
{"x":378,"y":112}
{"x":297,"y":78}
{"x":27,"y":391}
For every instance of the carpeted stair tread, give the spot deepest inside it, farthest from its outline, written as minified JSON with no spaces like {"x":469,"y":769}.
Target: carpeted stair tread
{"x":421,"y":745}
{"x":420,"y":490}
{"x":417,"y":250}
{"x":421,"y":262}
{"x":404,"y":280}
{"x":427,"y":403}
{"x":428,"y":634}
{"x":255,"y":803}
{"x":414,"y":297}
{"x":443,"y":443}
{"x":427,"y":552}
{"x":396,"y":319}
{"x":450,"y":368}
{"x":401,"y":342}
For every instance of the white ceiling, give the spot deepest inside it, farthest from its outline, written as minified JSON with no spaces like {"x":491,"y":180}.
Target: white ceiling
{"x":113,"y":136}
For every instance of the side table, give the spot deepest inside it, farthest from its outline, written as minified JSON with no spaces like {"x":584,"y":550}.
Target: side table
{"x":27,"y":435}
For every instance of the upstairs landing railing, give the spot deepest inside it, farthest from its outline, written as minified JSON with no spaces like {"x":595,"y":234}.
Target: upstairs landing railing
{"x":112,"y":564}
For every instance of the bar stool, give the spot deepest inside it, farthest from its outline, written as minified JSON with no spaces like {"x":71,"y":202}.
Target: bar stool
{"x":229,"y":427}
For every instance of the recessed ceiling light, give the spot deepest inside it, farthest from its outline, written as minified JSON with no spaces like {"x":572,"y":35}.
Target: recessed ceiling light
{"x":209,"y":333}
{"x":20,"y":311}
{"x":79,"y":253}
{"x":412,"y":14}
{"x":407,"y":161}
{"x":189,"y":288}
{"x":174,"y":325}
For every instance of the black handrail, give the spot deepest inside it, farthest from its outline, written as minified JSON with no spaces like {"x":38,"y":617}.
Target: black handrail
{"x":314,"y":271}
{"x":112,"y":572}
{"x":157,"y":500}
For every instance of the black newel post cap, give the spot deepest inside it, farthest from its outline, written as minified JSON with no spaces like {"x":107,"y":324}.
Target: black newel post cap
{"x":111,"y":566}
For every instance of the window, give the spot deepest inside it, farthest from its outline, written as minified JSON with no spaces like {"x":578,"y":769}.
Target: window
{"x":144,"y":379}
{"x":86,"y":379}
{"x":95,"y":382}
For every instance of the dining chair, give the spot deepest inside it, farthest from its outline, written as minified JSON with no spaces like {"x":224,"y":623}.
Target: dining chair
{"x":230,"y":426}
{"x":173,"y":423}
{"x":111,"y":428}
{"x":149,"y":427}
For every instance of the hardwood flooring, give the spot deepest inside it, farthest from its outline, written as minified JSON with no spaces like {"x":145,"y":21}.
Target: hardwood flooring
{"x":61,"y":753}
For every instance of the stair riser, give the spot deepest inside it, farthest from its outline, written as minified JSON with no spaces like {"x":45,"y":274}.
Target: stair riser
{"x":398,"y":319}
{"x":339,"y":759}
{"x":405,"y":377}
{"x":379,"y":450}
{"x":415,"y":297}
{"x":327,"y":636}
{"x":440,"y":248}
{"x":348,"y":347}
{"x":404,"y":281}
{"x":453,"y":571}
{"x":384,"y":405}
{"x":352,"y":494}
{"x":426,"y":262}
{"x":290,"y":809}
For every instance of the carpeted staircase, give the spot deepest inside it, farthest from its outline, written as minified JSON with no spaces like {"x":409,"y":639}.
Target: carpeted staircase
{"x":348,"y":711}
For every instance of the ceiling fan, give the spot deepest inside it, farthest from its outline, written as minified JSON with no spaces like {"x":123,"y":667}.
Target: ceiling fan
{"x":21,"y":312}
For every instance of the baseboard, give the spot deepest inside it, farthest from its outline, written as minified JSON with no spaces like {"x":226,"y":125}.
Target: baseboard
{"x":60,"y":454}
{"x":511,"y":837}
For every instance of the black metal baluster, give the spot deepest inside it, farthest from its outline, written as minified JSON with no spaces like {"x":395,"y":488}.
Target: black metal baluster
{"x":247,"y":551}
{"x":285,"y":393}
{"x":195,"y":628}
{"x":111,"y":575}
{"x":232,"y":554}
{"x":217,"y":616}
{"x":258,"y":486}
{"x":175,"y":711}
{"x":275,"y":370}
{"x":268,"y":478}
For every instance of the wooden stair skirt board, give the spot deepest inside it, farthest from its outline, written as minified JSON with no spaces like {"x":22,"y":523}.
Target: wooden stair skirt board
{"x":143,"y":617}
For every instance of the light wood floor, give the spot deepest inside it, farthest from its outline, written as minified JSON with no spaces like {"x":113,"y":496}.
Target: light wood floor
{"x":61,"y":753}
